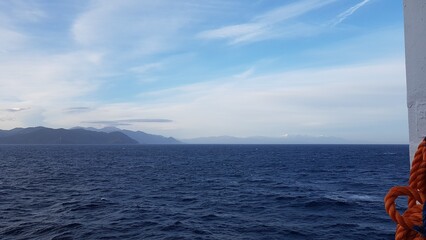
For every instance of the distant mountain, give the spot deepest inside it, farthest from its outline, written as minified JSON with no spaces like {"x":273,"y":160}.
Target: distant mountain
{"x":145,"y":138}
{"x":289,"y":139}
{"x":42,"y":135}
{"x":112,"y":135}
{"x":139,"y":136}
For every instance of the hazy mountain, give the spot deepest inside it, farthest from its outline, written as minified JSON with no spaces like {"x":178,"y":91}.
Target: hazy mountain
{"x":139,"y":136}
{"x":42,"y":135}
{"x":112,"y":135}
{"x":5,"y":133}
{"x":289,"y":139}
{"x":145,"y":138}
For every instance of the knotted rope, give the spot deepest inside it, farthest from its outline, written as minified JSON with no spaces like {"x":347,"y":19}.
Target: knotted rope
{"x":411,"y":225}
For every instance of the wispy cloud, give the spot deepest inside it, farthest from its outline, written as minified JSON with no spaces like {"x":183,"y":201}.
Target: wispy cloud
{"x":291,"y":11}
{"x":148,"y":27}
{"x":107,"y":123}
{"x":17,"y":109}
{"x":276,"y":24}
{"x":267,"y":25}
{"x":22,"y":11}
{"x":89,"y":66}
{"x":341,"y":17}
{"x":148,"y":120}
{"x":126,"y":122}
{"x":11,"y":40}
{"x":77,"y":109}
{"x":147,"y":67}
{"x":14,"y":14}
{"x":247,"y":73}
{"x":41,"y":79}
{"x":6,"y":119}
{"x":339,"y":101}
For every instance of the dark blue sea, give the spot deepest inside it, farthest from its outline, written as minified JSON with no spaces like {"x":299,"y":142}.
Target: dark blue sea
{"x":199,"y":191}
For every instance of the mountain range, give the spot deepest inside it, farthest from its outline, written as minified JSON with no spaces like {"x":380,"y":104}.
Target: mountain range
{"x":287,"y":139}
{"x":113,"y":135}
{"x":42,"y":135}
{"x":139,"y":136}
{"x":78,"y":135}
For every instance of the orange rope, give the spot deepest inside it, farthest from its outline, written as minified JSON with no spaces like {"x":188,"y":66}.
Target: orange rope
{"x":411,"y":225}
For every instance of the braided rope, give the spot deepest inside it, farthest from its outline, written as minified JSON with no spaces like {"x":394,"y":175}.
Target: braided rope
{"x":411,"y":225}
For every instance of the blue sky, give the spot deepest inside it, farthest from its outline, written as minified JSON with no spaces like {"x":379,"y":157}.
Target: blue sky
{"x":194,"y":68}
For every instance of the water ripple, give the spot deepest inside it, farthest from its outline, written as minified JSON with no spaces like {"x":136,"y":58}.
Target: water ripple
{"x":198,"y":192}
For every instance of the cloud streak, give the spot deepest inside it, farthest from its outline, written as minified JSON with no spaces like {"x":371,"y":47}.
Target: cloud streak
{"x":338,"y":101}
{"x":108,"y":62}
{"x":153,"y":26}
{"x":275,"y":24}
{"x":17,"y":109}
{"x":6,"y":119}
{"x":341,"y":17}
{"x":77,"y":109}
{"x":127,"y":122}
{"x":266,"y":26}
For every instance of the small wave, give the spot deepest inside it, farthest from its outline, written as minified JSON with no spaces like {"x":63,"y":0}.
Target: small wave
{"x":148,"y":223}
{"x":321,"y":203}
{"x":210,"y":217}
{"x":328,"y":201}
{"x":389,"y":153}
{"x":176,"y":226}
{"x":17,"y":230}
{"x":364,"y":198}
{"x":261,"y":228}
{"x":252,"y":198}
{"x":63,"y":236}
{"x":39,"y":228}
{"x":89,"y":206}
{"x":294,"y":233}
{"x":70,"y":203}
{"x":188,"y":199}
{"x":200,"y":232}
{"x":343,"y":225}
{"x":45,"y":230}
{"x":288,"y":198}
{"x":352,"y":197}
{"x":57,"y":228}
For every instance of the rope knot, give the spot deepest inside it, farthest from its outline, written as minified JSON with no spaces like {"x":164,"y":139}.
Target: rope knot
{"x":411,"y":225}
{"x":422,"y":229}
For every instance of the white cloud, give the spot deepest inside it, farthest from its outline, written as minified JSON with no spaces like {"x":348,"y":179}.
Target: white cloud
{"x":275,"y":24}
{"x":20,"y":11}
{"x":323,"y":101}
{"x":130,"y":26}
{"x":77,"y":109}
{"x":353,"y":102}
{"x":239,"y":31}
{"x":44,"y":78}
{"x":44,"y":84}
{"x":341,"y":17}
{"x":147,"y":67}
{"x":269,"y":25}
{"x":17,"y":109}
{"x":12,"y":14}
{"x":291,"y":11}
{"x":126,"y":122}
{"x":11,"y":40}
{"x":54,"y":85}
{"x":247,"y":73}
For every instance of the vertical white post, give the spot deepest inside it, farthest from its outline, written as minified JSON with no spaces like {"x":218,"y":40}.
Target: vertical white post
{"x":415,"y":60}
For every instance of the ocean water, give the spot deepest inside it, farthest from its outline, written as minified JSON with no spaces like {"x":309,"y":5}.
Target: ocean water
{"x":199,"y":191}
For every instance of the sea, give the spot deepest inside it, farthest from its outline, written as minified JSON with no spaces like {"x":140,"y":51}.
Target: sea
{"x":199,"y":191}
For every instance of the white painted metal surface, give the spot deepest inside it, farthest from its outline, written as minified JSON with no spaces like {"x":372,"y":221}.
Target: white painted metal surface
{"x":415,"y":60}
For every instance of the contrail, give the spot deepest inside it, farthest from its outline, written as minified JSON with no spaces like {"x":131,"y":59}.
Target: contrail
{"x":341,"y":17}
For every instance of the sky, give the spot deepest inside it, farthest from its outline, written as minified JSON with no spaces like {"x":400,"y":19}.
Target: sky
{"x":197,"y":68}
